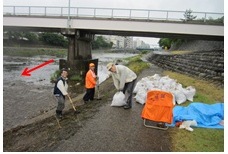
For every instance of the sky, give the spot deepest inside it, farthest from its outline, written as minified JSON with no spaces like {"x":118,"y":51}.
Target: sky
{"x":174,"y":5}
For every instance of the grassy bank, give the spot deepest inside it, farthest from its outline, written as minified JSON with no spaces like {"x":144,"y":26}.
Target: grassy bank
{"x":30,"y":52}
{"x":201,"y":139}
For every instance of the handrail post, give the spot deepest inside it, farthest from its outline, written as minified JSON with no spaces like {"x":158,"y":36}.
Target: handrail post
{"x":77,"y":11}
{"x":205,"y":17}
{"x":112,"y":14}
{"x":14,"y":10}
{"x":29,"y":10}
{"x":45,"y":11}
{"x":130,"y":15}
{"x":167,"y":15}
{"x":148,"y":17}
{"x":94,"y":13}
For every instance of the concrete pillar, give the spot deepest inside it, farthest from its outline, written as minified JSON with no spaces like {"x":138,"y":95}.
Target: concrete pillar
{"x":79,"y":52}
{"x":71,"y":50}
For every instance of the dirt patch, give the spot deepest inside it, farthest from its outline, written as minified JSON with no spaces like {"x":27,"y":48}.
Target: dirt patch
{"x":98,"y":127}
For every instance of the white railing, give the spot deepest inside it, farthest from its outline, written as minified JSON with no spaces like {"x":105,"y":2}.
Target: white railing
{"x":112,"y":13}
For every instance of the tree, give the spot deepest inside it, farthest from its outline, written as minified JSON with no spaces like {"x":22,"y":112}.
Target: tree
{"x":100,"y":42}
{"x":165,"y":42}
{"x":53,"y":39}
{"x":14,"y":35}
{"x":188,"y":15}
{"x":32,"y":37}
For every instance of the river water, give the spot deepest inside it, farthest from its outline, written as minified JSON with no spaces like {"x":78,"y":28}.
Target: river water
{"x":13,"y":67}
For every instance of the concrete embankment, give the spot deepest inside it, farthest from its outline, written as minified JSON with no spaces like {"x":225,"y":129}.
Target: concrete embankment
{"x":208,"y":65}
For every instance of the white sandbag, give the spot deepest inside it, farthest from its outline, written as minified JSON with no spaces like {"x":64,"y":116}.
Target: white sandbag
{"x":178,"y":86}
{"x":139,"y":85}
{"x":165,"y":80}
{"x":118,"y":99}
{"x":189,"y":93}
{"x":155,"y":83}
{"x":140,"y":97}
{"x":179,"y":96}
{"x":149,"y":85}
{"x":156,"y":77}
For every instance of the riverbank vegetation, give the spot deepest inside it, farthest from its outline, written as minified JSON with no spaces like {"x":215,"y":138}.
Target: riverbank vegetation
{"x":137,"y":64}
{"x":30,"y":52}
{"x":201,"y":139}
{"x":38,"y":39}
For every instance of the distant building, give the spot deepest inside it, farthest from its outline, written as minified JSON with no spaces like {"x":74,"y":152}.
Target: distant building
{"x":141,"y":44}
{"x":125,"y":42}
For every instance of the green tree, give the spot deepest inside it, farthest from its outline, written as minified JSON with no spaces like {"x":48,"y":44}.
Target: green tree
{"x":53,"y":39}
{"x":188,"y":15}
{"x":32,"y":37}
{"x":100,"y":42}
{"x":165,"y":42}
{"x":14,"y":35}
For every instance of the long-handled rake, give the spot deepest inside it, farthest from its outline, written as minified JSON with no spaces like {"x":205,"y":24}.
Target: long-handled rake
{"x":75,"y":111}
{"x":58,"y":122}
{"x":98,"y":93}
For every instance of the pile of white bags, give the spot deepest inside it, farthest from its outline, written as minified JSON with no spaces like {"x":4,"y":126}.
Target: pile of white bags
{"x":165,"y":83}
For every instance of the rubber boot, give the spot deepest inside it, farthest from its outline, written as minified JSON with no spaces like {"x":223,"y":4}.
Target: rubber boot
{"x":59,"y":114}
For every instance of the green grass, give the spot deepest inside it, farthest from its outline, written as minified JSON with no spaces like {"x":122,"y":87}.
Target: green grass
{"x":179,"y":52}
{"x":30,"y":52}
{"x":136,"y":64}
{"x":201,"y":139}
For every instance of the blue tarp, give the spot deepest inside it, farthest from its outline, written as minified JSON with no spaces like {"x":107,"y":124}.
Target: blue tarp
{"x":206,"y":116}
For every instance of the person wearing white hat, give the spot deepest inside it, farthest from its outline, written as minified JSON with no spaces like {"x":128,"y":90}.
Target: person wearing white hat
{"x":124,"y":80}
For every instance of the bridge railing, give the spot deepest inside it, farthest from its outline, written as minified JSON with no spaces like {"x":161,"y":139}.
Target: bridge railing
{"x":110,"y":13}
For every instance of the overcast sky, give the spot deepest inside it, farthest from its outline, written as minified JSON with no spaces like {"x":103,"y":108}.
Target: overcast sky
{"x":175,"y":5}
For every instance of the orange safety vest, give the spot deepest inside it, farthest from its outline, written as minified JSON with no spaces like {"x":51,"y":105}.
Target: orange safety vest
{"x":90,"y":80}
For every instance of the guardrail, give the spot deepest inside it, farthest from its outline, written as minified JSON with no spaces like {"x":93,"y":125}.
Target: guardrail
{"x":112,"y":13}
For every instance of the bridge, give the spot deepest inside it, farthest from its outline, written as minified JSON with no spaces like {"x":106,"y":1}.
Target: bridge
{"x":125,"y":22}
{"x":80,"y":24}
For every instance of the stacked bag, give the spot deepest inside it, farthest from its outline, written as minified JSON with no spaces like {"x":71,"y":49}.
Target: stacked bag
{"x":156,"y":82}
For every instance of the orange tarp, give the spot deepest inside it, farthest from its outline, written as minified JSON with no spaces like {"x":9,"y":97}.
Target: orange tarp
{"x":158,"y":106}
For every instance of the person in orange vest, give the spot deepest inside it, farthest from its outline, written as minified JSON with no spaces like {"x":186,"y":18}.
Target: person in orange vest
{"x":90,"y":83}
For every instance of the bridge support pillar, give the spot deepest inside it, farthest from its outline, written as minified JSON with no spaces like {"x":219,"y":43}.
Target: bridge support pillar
{"x":79,"y":52}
